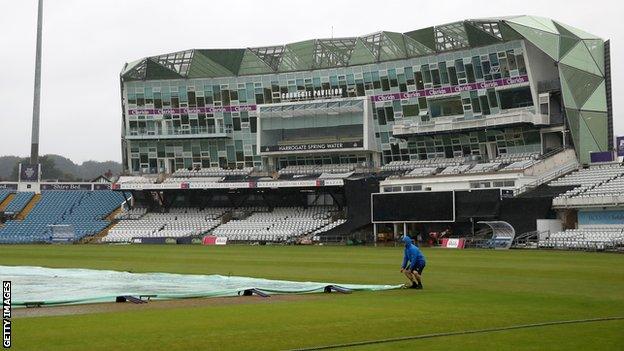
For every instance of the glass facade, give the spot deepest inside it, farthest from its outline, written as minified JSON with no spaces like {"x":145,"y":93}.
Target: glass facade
{"x":151,"y":106}
{"x":508,"y":141}
{"x":200,"y":107}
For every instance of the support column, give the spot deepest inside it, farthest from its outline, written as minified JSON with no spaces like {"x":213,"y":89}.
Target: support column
{"x":34,"y":149}
{"x":375,"y":233}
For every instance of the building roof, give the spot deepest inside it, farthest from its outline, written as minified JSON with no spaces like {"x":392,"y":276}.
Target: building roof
{"x":552,"y":37}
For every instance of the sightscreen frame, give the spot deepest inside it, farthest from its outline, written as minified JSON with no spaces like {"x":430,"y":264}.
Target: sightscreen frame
{"x":407,"y":192}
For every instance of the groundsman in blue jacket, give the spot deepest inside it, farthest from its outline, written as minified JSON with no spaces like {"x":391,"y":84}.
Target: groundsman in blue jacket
{"x":413,"y":263}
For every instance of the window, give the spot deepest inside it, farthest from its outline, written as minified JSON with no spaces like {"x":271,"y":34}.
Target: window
{"x":389,"y":114}
{"x":514,"y":98}
{"x":435,"y":75}
{"x":385,"y":85}
{"x":480,"y":185}
{"x":419,"y":81}
{"x":444,"y":78}
{"x":446,"y":107}
{"x":504,"y":184}
{"x":476,"y":108}
{"x":392,"y":189}
{"x":492,"y":98}
{"x":412,"y":188}
{"x":426,"y":73}
{"x":410,"y":110}
{"x":381,"y":116}
{"x":237,"y":123}
{"x":470,"y":73}
{"x":253,"y":124}
{"x":452,"y":72}
{"x":484,"y":104}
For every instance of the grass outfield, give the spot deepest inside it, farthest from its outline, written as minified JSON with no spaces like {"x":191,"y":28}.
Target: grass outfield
{"x":464,"y":289}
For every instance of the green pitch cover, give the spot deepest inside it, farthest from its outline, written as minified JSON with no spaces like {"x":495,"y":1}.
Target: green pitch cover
{"x":58,"y":286}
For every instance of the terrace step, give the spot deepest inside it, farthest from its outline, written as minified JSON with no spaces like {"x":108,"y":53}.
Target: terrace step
{"x":112,"y":215}
{"x":6,"y":202}
{"x":29,"y":207}
{"x":98,"y":237}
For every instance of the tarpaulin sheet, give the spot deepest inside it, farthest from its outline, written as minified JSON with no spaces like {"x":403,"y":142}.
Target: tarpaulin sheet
{"x":50,"y":286}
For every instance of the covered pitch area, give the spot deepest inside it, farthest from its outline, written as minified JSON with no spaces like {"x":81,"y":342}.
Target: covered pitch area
{"x":466,"y":290}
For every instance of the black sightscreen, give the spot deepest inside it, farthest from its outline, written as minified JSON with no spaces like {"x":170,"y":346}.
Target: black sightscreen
{"x":477,"y":203}
{"x":413,"y":207}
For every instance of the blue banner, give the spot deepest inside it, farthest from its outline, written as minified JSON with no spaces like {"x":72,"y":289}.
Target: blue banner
{"x":66,"y":186}
{"x":602,"y":156}
{"x":601,"y":217}
{"x":619,"y":145}
{"x":29,"y":173}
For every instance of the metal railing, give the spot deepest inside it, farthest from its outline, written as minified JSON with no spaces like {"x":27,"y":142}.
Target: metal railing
{"x":179,"y":131}
{"x":439,"y":124}
{"x":582,"y":245}
{"x":529,"y":239}
{"x":547,"y":177}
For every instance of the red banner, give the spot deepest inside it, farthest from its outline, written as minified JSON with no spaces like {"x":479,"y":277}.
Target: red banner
{"x":453,"y":243}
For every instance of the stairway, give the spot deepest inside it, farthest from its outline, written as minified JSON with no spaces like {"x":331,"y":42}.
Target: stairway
{"x":97,"y":237}
{"x":112,"y":215}
{"x":6,"y":202}
{"x":93,"y":239}
{"x":29,"y":207}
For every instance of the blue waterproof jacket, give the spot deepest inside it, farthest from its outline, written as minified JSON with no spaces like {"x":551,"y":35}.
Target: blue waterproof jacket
{"x":412,"y":253}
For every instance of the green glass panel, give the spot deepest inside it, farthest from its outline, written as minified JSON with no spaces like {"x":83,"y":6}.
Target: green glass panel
{"x":579,"y":57}
{"x":392,"y":46}
{"x":597,"y":124}
{"x":252,"y":64}
{"x":581,"y":84}
{"x":579,"y":33}
{"x":203,"y":67}
{"x":372,"y":43}
{"x":415,"y":48}
{"x":132,"y":65}
{"x":424,"y":36}
{"x":507,"y":32}
{"x":396,"y":38}
{"x":477,"y":37}
{"x":539,"y":23}
{"x":546,"y":22}
{"x":587,"y":142}
{"x":333,"y":52}
{"x":598,"y":100}
{"x":573,"y":117}
{"x":547,"y":42}
{"x":568,"y":98}
{"x":566,"y":44}
{"x":228,"y":58}
{"x":596,"y":49}
{"x":156,"y":71}
{"x":137,"y":72}
{"x":564,"y":32}
{"x":271,"y":55}
{"x":298,"y":56}
{"x":361,"y":54}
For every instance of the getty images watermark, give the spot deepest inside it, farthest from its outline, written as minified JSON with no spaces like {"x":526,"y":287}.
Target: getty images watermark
{"x":6,"y":314}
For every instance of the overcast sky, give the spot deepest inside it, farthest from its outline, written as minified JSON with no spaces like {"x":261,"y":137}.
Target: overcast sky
{"x":86,"y":43}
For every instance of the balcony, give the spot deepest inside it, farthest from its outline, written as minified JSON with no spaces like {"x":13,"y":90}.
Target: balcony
{"x":448,"y":124}
{"x":179,"y":133}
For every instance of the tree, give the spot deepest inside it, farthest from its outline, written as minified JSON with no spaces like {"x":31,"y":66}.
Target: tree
{"x":48,"y":170}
